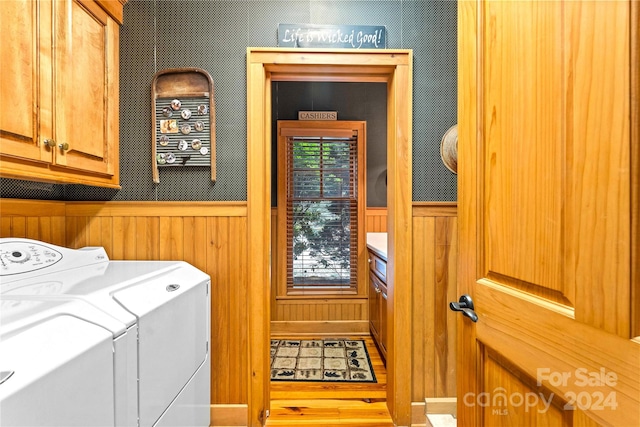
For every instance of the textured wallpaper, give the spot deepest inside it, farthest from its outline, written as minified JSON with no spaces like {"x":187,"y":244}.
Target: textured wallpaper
{"x":214,"y":35}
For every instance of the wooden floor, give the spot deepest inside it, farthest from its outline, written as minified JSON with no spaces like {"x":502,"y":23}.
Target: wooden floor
{"x":332,"y":404}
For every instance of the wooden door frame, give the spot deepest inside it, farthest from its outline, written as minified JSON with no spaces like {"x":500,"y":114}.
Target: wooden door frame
{"x":468,"y":108}
{"x":394,"y":67}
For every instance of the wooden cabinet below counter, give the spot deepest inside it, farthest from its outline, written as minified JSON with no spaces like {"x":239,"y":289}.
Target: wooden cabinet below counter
{"x":378,"y":301}
{"x":60,"y":92}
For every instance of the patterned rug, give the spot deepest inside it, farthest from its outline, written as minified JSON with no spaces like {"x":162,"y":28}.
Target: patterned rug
{"x":321,"y":360}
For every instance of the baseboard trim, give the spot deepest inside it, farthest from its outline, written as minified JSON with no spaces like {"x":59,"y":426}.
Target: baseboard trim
{"x":229,"y":415}
{"x":434,"y":412}
{"x":418,"y":414}
{"x":441,"y":405}
{"x":320,"y":328}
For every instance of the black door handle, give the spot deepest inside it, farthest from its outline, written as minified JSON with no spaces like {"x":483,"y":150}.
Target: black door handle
{"x":465,"y":305}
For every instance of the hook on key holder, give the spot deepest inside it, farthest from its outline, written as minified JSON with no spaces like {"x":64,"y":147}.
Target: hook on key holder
{"x":465,"y":305}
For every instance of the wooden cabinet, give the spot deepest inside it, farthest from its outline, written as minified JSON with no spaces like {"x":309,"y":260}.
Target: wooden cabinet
{"x":59,"y":91}
{"x":378,"y":301}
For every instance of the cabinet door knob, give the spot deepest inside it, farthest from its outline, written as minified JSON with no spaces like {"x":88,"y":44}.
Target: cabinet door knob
{"x":49,"y":142}
{"x":64,"y":146}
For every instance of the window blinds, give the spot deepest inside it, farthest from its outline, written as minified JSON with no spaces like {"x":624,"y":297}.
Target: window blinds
{"x":322,"y":213}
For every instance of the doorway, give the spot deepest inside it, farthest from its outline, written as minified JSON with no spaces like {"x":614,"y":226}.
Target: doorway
{"x":394,"y":67}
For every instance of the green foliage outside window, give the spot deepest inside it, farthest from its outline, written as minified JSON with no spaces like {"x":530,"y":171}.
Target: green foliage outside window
{"x":324,"y":196}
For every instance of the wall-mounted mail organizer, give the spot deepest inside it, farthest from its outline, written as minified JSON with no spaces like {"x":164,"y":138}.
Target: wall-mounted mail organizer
{"x":183,"y":117}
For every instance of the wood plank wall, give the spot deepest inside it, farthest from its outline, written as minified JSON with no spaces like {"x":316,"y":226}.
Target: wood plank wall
{"x":33,"y":219}
{"x":376,"y":220}
{"x":435,"y":248}
{"x":207,"y":235}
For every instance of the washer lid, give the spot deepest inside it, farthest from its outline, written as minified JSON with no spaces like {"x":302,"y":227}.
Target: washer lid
{"x":95,"y":284}
{"x":62,"y":374}
{"x":173,"y":331}
{"x":18,"y":314}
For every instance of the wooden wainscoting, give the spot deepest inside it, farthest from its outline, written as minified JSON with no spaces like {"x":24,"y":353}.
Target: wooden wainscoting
{"x":435,"y":247}
{"x":376,"y":220}
{"x":209,"y":235}
{"x":206,"y":234}
{"x":33,"y":219}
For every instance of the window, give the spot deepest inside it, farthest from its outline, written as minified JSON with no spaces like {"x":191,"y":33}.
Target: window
{"x":320,"y":188}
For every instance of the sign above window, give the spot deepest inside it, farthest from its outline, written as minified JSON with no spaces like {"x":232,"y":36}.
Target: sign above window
{"x":317,"y":115}
{"x":332,"y":36}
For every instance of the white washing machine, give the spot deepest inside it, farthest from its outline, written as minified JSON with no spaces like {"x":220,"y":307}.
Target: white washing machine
{"x":156,"y":317}
{"x":56,"y":367}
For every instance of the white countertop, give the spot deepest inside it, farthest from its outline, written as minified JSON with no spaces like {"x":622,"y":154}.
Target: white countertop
{"x":378,"y":243}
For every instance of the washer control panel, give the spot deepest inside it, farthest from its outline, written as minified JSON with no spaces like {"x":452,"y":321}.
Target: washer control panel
{"x":20,"y":256}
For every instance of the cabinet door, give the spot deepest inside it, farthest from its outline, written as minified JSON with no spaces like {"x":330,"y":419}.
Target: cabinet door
{"x":374,"y":306}
{"x":383,"y":320}
{"x":86,"y":87}
{"x":25,"y":57}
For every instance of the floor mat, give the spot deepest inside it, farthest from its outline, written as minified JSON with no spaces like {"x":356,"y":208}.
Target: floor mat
{"x":342,"y":360}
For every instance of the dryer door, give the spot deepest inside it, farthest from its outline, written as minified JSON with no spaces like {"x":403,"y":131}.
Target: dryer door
{"x":173,"y":328}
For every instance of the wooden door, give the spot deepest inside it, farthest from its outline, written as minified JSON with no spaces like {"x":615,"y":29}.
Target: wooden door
{"x":25,"y":51}
{"x":86,"y":87}
{"x":548,"y":201}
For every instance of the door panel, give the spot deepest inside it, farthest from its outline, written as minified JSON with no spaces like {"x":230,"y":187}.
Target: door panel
{"x":522,"y":146}
{"x":581,"y":366}
{"x":374,"y":307}
{"x":598,"y":162}
{"x":545,"y":214}
{"x":540,"y":407}
{"x":25,"y":47}
{"x":83,"y":86}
